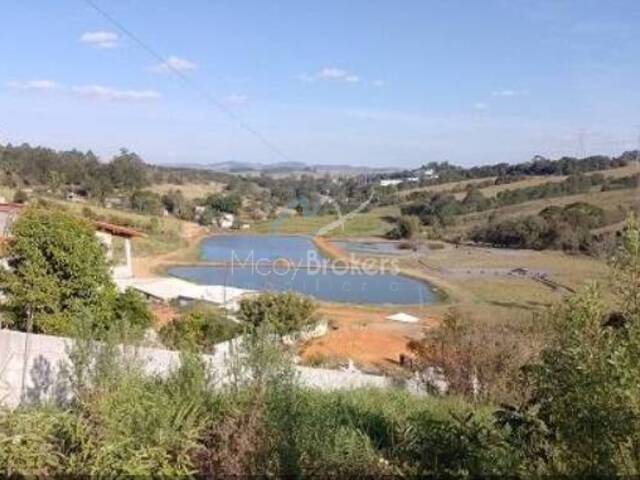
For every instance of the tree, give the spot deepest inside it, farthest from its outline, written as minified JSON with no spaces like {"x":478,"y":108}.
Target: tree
{"x":20,"y":196}
{"x":199,"y":329}
{"x":147,"y":202}
{"x":408,"y":226}
{"x":127,"y":171}
{"x":224,"y":203}
{"x":132,"y":311}
{"x":586,"y":386}
{"x":176,"y":204}
{"x":58,"y":272}
{"x":286,"y":312}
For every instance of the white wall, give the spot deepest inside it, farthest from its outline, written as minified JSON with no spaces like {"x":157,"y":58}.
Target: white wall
{"x":33,"y":368}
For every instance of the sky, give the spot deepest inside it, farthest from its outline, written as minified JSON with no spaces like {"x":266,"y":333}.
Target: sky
{"x":359,"y":82}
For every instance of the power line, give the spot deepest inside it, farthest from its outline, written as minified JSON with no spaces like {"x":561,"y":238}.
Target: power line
{"x":188,"y":81}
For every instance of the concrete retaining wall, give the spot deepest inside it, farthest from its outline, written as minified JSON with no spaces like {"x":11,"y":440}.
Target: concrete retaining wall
{"x":35,"y":368}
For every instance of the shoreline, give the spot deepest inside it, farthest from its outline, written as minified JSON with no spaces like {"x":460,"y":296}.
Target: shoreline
{"x":194,"y":235}
{"x":152,"y":265}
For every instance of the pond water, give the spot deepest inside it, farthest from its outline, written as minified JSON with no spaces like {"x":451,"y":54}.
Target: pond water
{"x":251,"y":265}
{"x":238,"y":248}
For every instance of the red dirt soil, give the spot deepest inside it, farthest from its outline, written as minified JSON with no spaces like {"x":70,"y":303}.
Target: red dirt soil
{"x":365,"y":336}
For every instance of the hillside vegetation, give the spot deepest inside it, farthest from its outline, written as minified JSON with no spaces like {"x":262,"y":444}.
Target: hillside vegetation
{"x":566,"y":406}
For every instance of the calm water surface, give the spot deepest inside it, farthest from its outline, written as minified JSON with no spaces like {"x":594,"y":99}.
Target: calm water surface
{"x":329,"y":285}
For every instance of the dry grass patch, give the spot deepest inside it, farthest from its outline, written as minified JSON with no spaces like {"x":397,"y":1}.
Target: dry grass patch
{"x":190,"y":190}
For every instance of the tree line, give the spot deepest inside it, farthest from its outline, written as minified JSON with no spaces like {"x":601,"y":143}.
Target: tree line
{"x":538,"y":165}
{"x":441,"y":208}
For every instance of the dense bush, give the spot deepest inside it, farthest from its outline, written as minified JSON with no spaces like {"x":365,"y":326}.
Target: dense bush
{"x":223,"y":203}
{"x":199,"y":328}
{"x":148,"y":202}
{"x":59,"y":278}
{"x":58,"y":271}
{"x":406,"y":228}
{"x":566,"y":228}
{"x":20,"y":196}
{"x":127,"y":424}
{"x":439,"y":208}
{"x":287,"y":313}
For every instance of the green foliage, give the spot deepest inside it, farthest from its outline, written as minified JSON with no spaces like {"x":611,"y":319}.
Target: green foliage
{"x":29,"y":442}
{"x":176,"y":204}
{"x":439,"y":208}
{"x":461,"y":445}
{"x":132,"y":311}
{"x":286,"y":312}
{"x":124,"y":423}
{"x":583,"y":412}
{"x":208,"y":217}
{"x":147,"y":202}
{"x":567,"y":228}
{"x":626,"y":269}
{"x":58,"y":271}
{"x":59,"y":279}
{"x":127,"y":171}
{"x":199,"y":329}
{"x":224,"y":203}
{"x":407,"y":227}
{"x":20,"y":196}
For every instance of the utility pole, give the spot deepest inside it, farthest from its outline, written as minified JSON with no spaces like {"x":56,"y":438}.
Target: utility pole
{"x":581,"y":137}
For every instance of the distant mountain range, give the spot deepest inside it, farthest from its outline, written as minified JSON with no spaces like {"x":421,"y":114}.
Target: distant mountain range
{"x":282,"y":167}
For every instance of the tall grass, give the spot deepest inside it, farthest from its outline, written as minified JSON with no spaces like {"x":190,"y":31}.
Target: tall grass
{"x":121,"y":421}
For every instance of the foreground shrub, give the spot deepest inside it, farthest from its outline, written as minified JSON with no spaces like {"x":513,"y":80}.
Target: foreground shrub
{"x":286,"y":313}
{"x":200,"y":328}
{"x":58,"y":271}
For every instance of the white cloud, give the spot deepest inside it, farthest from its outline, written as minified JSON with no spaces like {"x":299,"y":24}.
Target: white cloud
{"x":303,"y":77}
{"x":507,"y":92}
{"x":34,"y":85}
{"x":100,"y":39}
{"x":174,"y":63}
{"x":330,"y":74}
{"x":109,"y":94}
{"x":378,"y":83}
{"x":480,"y":106}
{"x":235,"y":100}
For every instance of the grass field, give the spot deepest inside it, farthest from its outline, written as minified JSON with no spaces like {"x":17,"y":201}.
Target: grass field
{"x":480,"y":284}
{"x":611,"y":202}
{"x":190,"y":190}
{"x":492,"y":191}
{"x":164,"y":237}
{"x":372,"y":223}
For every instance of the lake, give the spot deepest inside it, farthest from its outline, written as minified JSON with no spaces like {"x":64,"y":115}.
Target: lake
{"x":286,"y":262}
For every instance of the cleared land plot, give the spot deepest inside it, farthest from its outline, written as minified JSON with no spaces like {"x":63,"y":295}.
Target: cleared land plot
{"x":364,"y":336}
{"x":481,"y":285}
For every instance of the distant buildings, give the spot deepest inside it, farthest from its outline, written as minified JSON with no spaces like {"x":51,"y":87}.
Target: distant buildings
{"x":388,"y":182}
{"x":225,"y":220}
{"x":420,"y":174}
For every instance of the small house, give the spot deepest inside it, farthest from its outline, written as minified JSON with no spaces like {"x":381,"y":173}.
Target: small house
{"x":226,"y":220}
